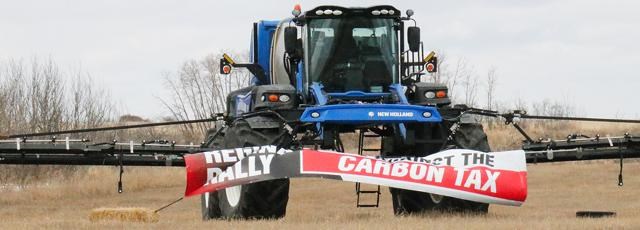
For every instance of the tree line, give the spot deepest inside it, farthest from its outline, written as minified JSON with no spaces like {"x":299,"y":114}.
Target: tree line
{"x":38,"y":96}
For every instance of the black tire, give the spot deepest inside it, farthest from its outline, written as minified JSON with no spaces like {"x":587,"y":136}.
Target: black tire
{"x":209,"y":206}
{"x":469,"y":136}
{"x":209,"y":201}
{"x":259,"y":200}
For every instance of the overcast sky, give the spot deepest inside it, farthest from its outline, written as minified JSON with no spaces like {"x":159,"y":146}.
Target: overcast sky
{"x":581,"y":52}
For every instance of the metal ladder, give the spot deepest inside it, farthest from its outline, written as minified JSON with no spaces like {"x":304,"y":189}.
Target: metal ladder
{"x":359,"y":190}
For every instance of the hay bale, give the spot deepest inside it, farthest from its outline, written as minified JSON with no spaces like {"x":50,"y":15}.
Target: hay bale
{"x":124,"y":214}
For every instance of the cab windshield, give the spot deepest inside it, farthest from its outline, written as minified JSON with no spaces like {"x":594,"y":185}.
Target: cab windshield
{"x":356,"y":53}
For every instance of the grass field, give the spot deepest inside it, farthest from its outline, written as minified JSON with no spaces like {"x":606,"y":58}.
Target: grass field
{"x":556,"y":192}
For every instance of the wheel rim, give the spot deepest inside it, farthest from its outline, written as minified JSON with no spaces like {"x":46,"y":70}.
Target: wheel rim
{"x":436,"y":198}
{"x":233,"y":194}
{"x":206,"y":199}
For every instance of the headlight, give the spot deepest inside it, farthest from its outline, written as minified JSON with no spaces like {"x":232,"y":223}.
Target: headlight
{"x":284,"y":98}
{"x":430,"y":95}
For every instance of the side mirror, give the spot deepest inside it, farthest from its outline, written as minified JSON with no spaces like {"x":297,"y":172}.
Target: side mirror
{"x":413,"y":38}
{"x":290,"y":40}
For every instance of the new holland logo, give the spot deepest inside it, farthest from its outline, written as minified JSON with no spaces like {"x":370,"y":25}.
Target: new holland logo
{"x":391,"y":114}
{"x":395,"y":114}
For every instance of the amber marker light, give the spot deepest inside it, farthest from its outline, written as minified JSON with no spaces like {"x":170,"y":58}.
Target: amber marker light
{"x":273,"y":98}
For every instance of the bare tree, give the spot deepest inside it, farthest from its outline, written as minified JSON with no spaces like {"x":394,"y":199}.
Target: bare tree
{"x":199,"y":90}
{"x":553,"y":108}
{"x":459,"y":77}
{"x":36,"y":98}
{"x":491,"y":82}
{"x":470,"y":85}
{"x":520,"y":104}
{"x":46,"y":94}
{"x":452,"y":79}
{"x":90,"y":106}
{"x":14,"y":93}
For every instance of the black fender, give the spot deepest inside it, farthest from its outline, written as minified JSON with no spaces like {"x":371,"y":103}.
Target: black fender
{"x":263,"y":122}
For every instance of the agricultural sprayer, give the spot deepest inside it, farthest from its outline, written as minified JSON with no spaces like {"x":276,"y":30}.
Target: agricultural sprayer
{"x":322,"y":73}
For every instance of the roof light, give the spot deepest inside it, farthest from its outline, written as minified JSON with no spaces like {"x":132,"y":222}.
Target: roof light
{"x":441,"y":94}
{"x":337,"y":12}
{"x":426,"y":114}
{"x":328,"y":11}
{"x":384,"y":11}
{"x":392,"y":12}
{"x":315,"y":114}
{"x":319,"y":12}
{"x":296,"y":10}
{"x":375,"y":12}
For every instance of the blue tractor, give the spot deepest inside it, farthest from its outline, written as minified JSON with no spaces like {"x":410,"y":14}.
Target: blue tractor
{"x":334,"y":70}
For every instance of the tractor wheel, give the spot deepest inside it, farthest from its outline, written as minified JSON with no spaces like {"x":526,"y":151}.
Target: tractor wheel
{"x":258,"y":200}
{"x":469,"y":136}
{"x":209,"y":201}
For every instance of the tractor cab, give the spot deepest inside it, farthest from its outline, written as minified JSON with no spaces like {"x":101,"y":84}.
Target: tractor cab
{"x":347,"y":53}
{"x":352,"y":50}
{"x":335,"y":54}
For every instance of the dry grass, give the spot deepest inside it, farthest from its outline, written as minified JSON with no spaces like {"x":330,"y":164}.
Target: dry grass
{"x":90,"y":182}
{"x":124,"y":214}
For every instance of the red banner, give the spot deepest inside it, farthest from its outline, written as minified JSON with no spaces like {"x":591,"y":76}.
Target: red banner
{"x":498,"y":178}
{"x":479,"y":180}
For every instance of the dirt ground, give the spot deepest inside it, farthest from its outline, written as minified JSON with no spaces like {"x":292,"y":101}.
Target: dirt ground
{"x":556,"y":192}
